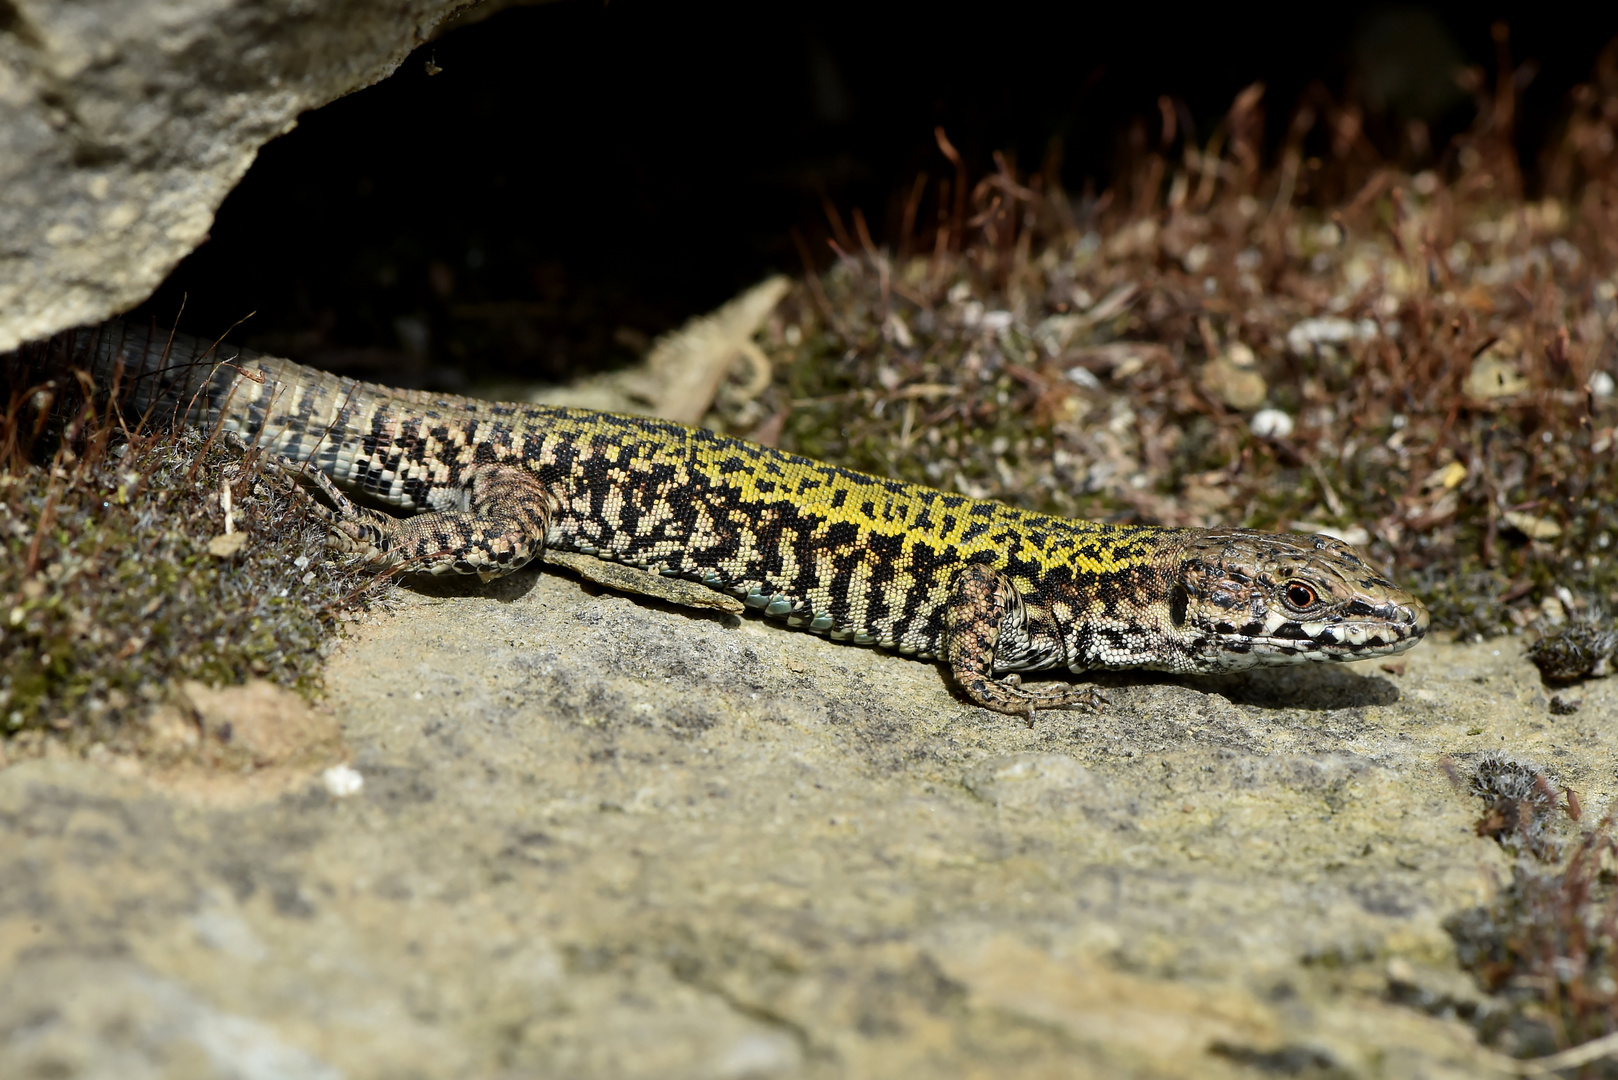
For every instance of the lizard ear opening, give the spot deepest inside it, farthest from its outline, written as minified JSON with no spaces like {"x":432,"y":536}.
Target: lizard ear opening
{"x":1179,"y":601}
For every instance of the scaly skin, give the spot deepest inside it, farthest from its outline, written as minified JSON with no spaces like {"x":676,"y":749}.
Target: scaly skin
{"x":989,"y":590}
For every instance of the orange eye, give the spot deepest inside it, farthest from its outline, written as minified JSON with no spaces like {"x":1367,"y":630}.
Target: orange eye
{"x":1300,"y":595}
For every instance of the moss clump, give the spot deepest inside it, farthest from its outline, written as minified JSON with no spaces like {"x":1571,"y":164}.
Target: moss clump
{"x":1548,"y":947}
{"x":1582,"y":649}
{"x":117,"y":577}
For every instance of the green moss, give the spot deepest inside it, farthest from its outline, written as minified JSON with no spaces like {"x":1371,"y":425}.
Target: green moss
{"x":119,"y":594}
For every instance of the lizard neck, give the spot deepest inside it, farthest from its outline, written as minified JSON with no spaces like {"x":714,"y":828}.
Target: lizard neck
{"x":1121,"y":614}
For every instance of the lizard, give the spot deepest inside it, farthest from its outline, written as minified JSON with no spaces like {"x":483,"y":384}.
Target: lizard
{"x":442,"y":484}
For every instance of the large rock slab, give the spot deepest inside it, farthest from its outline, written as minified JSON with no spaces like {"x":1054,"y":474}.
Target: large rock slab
{"x":605,"y":838}
{"x":124,"y":123}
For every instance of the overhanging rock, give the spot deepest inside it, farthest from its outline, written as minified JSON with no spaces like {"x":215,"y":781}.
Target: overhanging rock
{"x":124,"y":123}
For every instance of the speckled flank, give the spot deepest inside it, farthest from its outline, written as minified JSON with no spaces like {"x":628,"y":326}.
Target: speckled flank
{"x":987,"y":588}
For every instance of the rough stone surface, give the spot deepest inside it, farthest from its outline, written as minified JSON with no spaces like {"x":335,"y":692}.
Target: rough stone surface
{"x":605,"y":838}
{"x":124,"y":123}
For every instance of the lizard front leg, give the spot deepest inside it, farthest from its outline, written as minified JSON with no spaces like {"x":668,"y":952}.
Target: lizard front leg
{"x":502,"y":528}
{"x":979,"y":603}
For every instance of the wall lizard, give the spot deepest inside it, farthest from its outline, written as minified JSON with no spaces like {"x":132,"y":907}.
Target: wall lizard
{"x":458,"y":485}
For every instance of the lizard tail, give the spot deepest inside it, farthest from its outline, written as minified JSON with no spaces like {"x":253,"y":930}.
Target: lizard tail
{"x":161,"y":379}
{"x":157,"y":379}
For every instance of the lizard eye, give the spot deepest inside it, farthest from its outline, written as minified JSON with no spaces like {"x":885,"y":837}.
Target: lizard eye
{"x":1300,"y":596}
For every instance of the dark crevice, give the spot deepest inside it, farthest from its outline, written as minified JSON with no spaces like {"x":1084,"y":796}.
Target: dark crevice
{"x":14,"y":23}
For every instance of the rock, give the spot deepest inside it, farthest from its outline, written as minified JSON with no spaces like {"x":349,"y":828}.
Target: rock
{"x":1237,"y":384}
{"x":1494,"y":375}
{"x":125,"y":1020}
{"x":1535,"y":528}
{"x":227,"y":545}
{"x":1165,"y":1026}
{"x":124,"y":123}
{"x":260,"y":724}
{"x":1028,"y":781}
{"x":1309,"y":336}
{"x":1271,"y":424}
{"x":238,"y":745}
{"x":604,"y":838}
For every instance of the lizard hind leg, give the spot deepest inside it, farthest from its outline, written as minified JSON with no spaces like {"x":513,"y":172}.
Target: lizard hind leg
{"x":355,"y":530}
{"x":507,"y":513}
{"x":979,"y":603}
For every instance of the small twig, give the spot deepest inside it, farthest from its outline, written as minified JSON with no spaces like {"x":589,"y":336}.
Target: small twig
{"x":875,"y":255}
{"x":1333,"y":503}
{"x":1583,"y":1054}
{"x":812,"y":279}
{"x":907,"y":220}
{"x":46,"y":513}
{"x":958,"y":214}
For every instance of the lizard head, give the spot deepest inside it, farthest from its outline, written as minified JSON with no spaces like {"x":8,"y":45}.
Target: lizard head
{"x":1245,"y":598}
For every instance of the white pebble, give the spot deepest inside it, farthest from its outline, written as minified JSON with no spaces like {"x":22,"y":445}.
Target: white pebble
{"x":1303,"y":338}
{"x":342,"y":781}
{"x":1601,"y":384}
{"x":1271,"y":424}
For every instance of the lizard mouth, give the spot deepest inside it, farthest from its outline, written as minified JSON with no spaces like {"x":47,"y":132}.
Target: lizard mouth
{"x":1371,"y":630}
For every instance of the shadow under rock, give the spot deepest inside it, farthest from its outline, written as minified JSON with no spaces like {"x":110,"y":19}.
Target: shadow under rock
{"x":520,"y":583}
{"x":1314,"y":687}
{"x":513,"y":586}
{"x":1305,"y":686}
